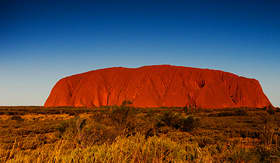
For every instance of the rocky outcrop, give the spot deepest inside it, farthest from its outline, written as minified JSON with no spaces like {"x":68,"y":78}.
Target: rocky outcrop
{"x":158,"y":86}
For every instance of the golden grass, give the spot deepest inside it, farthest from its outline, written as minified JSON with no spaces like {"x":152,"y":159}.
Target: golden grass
{"x":136,"y":136}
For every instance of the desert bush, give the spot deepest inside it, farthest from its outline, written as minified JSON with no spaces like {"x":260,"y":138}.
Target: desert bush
{"x":98,"y":133}
{"x":119,"y":115}
{"x":126,"y":102}
{"x":177,"y":121}
{"x":269,"y":134}
{"x":240,"y":112}
{"x":237,"y":154}
{"x":17,"y":118}
{"x":270,"y":110}
{"x":69,"y":128}
{"x":105,"y":127}
{"x":189,"y":123}
{"x":237,"y":112}
{"x":169,"y":118}
{"x":204,"y":141}
{"x":87,"y":131}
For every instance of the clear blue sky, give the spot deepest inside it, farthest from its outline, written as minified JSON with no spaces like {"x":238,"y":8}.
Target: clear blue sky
{"x":41,"y":42}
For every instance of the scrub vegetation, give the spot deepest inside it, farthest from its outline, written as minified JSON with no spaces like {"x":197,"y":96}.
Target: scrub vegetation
{"x":126,"y":134}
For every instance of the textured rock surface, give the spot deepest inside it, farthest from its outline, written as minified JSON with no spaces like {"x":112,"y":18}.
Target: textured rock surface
{"x":156,"y":86}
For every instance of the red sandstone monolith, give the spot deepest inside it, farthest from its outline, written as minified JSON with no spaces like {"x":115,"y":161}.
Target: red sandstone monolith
{"x":158,"y":86}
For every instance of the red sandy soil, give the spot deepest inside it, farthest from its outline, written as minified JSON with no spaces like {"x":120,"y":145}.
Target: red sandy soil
{"x":158,"y":86}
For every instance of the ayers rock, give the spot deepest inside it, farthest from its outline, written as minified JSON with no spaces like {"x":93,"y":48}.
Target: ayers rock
{"x":158,"y":86}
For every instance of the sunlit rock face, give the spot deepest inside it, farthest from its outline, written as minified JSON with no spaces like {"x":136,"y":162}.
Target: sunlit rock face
{"x":158,"y":86}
